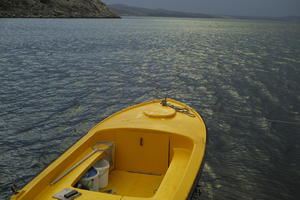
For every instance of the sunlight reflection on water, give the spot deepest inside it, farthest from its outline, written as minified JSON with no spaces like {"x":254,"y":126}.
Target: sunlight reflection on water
{"x":60,"y":77}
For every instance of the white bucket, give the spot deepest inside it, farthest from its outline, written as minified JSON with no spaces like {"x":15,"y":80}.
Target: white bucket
{"x":91,"y":182}
{"x":102,"y":166}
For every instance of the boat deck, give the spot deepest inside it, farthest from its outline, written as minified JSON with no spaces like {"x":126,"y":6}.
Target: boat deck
{"x":126,"y":183}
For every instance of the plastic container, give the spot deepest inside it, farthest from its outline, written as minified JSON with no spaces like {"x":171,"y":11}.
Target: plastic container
{"x":102,"y":167}
{"x":90,"y":180}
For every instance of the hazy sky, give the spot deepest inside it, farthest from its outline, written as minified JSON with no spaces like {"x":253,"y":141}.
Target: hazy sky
{"x":226,"y":7}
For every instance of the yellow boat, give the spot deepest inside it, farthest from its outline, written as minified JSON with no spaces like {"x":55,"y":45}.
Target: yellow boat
{"x":154,"y":151}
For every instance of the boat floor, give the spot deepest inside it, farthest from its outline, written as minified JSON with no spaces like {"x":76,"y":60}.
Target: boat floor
{"x":126,"y":183}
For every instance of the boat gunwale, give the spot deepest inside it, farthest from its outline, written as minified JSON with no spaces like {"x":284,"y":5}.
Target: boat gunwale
{"x":200,"y":170}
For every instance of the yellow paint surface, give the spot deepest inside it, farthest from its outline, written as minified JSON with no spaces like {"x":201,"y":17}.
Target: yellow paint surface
{"x":133,"y":184}
{"x":170,"y":145}
{"x":150,"y":156}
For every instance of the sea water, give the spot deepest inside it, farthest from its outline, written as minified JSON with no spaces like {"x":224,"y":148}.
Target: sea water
{"x":58,"y":77}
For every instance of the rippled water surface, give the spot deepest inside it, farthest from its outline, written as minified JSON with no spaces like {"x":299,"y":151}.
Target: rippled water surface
{"x":59,"y":77}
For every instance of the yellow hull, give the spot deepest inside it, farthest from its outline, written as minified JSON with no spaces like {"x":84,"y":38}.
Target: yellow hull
{"x":158,"y":154}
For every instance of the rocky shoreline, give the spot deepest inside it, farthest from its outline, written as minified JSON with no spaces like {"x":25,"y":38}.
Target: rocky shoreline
{"x":55,"y":9}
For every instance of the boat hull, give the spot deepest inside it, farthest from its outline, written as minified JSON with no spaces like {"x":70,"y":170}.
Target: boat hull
{"x":159,"y":150}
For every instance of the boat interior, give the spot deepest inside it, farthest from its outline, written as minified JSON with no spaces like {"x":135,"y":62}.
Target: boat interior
{"x":143,"y":163}
{"x":140,"y":160}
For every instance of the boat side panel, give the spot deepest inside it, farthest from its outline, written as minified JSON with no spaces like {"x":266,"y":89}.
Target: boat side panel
{"x":143,"y":150}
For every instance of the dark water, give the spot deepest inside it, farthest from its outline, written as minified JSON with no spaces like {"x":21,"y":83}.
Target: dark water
{"x":59,"y":77}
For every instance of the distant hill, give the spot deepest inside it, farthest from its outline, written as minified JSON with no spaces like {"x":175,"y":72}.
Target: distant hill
{"x":55,"y":9}
{"x":287,"y":18}
{"x":125,"y":10}
{"x":291,"y":18}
